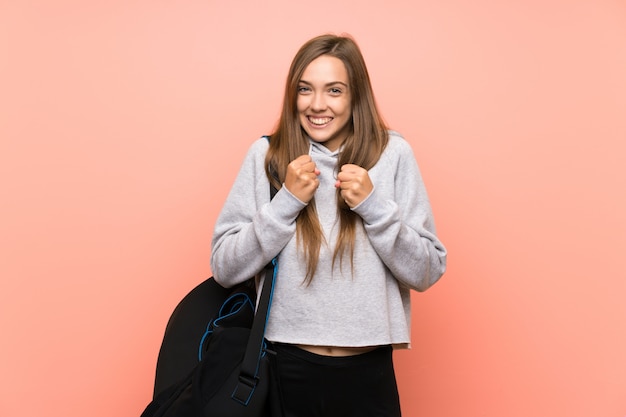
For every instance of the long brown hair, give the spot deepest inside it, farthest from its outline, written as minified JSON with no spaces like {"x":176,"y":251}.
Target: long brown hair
{"x":362,"y":147}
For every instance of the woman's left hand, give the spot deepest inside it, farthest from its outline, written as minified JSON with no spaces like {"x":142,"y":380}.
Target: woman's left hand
{"x":355,"y":184}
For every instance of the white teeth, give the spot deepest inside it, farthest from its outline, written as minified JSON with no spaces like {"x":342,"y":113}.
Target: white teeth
{"x":320,"y":120}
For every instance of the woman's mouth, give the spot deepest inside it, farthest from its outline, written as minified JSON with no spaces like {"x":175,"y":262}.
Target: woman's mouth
{"x":319,"y":121}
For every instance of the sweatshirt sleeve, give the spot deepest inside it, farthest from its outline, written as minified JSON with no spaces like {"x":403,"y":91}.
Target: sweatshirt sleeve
{"x":401,"y":227}
{"x":250,"y":230}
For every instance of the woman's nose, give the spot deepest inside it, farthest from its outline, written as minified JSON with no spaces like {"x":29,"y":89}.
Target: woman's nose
{"x":318,"y":102}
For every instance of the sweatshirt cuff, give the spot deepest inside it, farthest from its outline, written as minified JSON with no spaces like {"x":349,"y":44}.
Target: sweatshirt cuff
{"x":373,"y":209}
{"x":285,"y":207}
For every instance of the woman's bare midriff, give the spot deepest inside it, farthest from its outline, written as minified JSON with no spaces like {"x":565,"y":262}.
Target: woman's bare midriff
{"x":336,"y":351}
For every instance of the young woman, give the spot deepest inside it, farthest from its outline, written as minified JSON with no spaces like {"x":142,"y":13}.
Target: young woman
{"x":352,"y":227}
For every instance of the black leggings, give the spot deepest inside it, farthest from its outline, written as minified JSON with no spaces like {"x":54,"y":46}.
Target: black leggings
{"x":311,"y":385}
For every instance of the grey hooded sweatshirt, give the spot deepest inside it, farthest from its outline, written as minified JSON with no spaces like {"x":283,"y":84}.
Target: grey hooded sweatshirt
{"x":364,"y":304}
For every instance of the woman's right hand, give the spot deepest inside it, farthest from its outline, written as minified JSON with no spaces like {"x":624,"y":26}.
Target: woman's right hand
{"x":301,"y":178}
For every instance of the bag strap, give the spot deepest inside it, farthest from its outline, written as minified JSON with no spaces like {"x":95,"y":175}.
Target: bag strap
{"x":255,"y":349}
{"x":249,"y":373}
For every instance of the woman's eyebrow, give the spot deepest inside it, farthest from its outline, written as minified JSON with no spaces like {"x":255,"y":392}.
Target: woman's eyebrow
{"x":327,"y":84}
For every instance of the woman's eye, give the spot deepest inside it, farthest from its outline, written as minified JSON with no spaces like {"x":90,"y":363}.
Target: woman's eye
{"x":335,"y":91}
{"x":303,"y":89}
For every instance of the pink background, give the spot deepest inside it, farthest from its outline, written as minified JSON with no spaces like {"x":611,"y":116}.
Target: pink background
{"x":123,"y":124}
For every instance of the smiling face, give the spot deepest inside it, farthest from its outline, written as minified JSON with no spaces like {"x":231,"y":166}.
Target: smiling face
{"x":324,"y":102}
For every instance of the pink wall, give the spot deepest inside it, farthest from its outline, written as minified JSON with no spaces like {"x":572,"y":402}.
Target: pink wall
{"x":123,"y":123}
